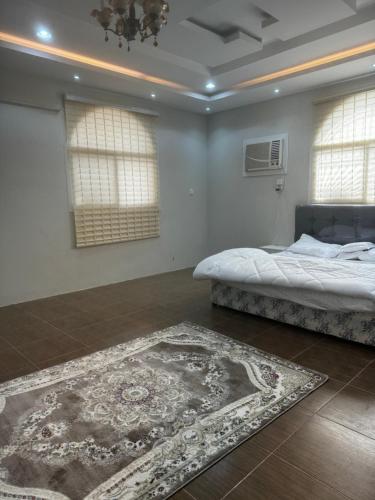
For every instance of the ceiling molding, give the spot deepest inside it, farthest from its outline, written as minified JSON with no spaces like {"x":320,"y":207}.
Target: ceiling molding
{"x":198,"y":28}
{"x":58,"y":54}
{"x":363,"y":16}
{"x":318,"y":63}
{"x":240,"y":36}
{"x":233,"y":37}
{"x":36,"y":48}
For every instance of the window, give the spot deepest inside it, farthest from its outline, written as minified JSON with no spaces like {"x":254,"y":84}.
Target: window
{"x":343,"y":169}
{"x":114,"y":174}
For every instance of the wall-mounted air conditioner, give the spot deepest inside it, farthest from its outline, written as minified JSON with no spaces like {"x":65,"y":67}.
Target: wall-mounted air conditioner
{"x":266,"y":155}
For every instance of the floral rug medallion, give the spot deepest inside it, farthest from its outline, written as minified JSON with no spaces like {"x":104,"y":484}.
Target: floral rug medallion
{"x":139,"y":420}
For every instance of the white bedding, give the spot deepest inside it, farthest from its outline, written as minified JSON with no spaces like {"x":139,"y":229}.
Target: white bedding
{"x":315,"y":282}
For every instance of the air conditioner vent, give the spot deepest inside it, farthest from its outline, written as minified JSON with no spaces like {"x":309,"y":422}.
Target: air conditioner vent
{"x":275,"y":153}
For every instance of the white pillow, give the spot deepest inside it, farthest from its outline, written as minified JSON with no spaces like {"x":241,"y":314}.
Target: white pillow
{"x":368,"y":256}
{"x":307,"y":245}
{"x":357,"y":246}
{"x":351,"y":255}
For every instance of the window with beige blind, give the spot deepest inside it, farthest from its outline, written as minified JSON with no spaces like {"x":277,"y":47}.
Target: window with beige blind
{"x":343,"y":163}
{"x":114,"y":173}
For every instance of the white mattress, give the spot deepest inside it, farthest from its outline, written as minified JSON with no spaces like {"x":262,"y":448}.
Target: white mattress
{"x":325,"y":284}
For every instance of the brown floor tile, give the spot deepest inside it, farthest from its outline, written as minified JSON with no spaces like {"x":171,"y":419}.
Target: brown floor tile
{"x":282,"y":428}
{"x":97,"y":303}
{"x":341,"y":367}
{"x":47,"y":363}
{"x":74,"y":321}
{"x":155,"y":314}
{"x":111,"y":311}
{"x":41,"y":350}
{"x":91,"y":333}
{"x":189,"y":303}
{"x":8,"y":313}
{"x":344,"y":347}
{"x":339,"y":457}
{"x":48,"y":309}
{"x":285,"y":341}
{"x":4,"y":344}
{"x":366,"y":379}
{"x":353,"y":408}
{"x":321,"y":396}
{"x":118,"y":330}
{"x":101,"y":317}
{"x":182,"y":495}
{"x":137,"y":298}
{"x":29,"y":331}
{"x":13,"y":363}
{"x":26,"y":370}
{"x":14,"y":318}
{"x":244,"y":328}
{"x":278,"y":480}
{"x":76,"y":298}
{"x":223,"y":476}
{"x":126,"y":334}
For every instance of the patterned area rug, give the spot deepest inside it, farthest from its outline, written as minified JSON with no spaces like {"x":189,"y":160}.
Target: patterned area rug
{"x":140,"y":420}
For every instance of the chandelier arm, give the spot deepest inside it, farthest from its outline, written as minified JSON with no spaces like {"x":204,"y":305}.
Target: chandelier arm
{"x":147,"y":25}
{"x":113,"y":31}
{"x":145,"y":36}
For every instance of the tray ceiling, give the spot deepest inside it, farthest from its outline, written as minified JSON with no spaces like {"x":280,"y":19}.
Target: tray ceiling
{"x":227,"y":41}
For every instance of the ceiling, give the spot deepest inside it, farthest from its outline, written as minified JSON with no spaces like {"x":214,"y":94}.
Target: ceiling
{"x":227,"y":41}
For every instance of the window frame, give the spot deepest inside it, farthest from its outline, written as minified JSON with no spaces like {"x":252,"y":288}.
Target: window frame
{"x":140,"y":209}
{"x":336,"y":101}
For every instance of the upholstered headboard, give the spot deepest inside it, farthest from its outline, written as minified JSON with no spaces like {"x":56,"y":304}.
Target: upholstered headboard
{"x":336,"y":223}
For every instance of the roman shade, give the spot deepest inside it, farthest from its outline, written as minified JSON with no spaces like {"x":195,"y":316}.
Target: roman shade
{"x":113,"y":170}
{"x":343,"y":162}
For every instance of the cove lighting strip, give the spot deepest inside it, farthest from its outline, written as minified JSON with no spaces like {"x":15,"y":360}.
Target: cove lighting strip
{"x":88,"y":61}
{"x":342,"y":55}
{"x":335,"y":57}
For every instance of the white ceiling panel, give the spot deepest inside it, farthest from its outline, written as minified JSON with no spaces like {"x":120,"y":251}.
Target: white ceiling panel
{"x":229,"y":41}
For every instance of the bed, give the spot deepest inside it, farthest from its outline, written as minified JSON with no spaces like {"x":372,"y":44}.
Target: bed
{"x":320,"y":294}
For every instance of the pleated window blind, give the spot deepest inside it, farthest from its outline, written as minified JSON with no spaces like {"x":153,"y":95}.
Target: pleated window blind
{"x":343,"y":167}
{"x":114,"y":174}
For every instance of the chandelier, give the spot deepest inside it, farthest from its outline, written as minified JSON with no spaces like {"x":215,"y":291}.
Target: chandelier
{"x":120,"y":17}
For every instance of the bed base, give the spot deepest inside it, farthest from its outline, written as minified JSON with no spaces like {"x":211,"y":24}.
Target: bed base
{"x":356,"y":326}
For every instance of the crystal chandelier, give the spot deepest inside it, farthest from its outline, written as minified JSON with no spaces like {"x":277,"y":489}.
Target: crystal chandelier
{"x":120,"y":17}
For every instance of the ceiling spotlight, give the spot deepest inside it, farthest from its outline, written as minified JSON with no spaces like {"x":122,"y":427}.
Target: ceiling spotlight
{"x":210,"y":86}
{"x":153,"y":96}
{"x":208,"y":109}
{"x":277,"y":91}
{"x":44,"y":35}
{"x":76,"y":77}
{"x":373,"y":65}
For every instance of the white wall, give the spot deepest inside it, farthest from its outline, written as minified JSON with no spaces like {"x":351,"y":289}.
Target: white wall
{"x":37,"y":254}
{"x":246,"y":211}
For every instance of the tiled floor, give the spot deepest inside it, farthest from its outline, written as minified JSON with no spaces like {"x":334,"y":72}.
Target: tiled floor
{"x":324,"y":448}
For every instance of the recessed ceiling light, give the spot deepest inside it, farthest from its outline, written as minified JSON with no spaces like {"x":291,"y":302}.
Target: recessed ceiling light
{"x":153,"y":96}
{"x":373,"y":65}
{"x":76,"y":77}
{"x":277,"y":91}
{"x":208,"y":109}
{"x":44,"y":34}
{"x":210,"y":86}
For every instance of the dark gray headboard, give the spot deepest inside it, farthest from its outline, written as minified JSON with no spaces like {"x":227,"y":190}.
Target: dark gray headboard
{"x":336,"y":223}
